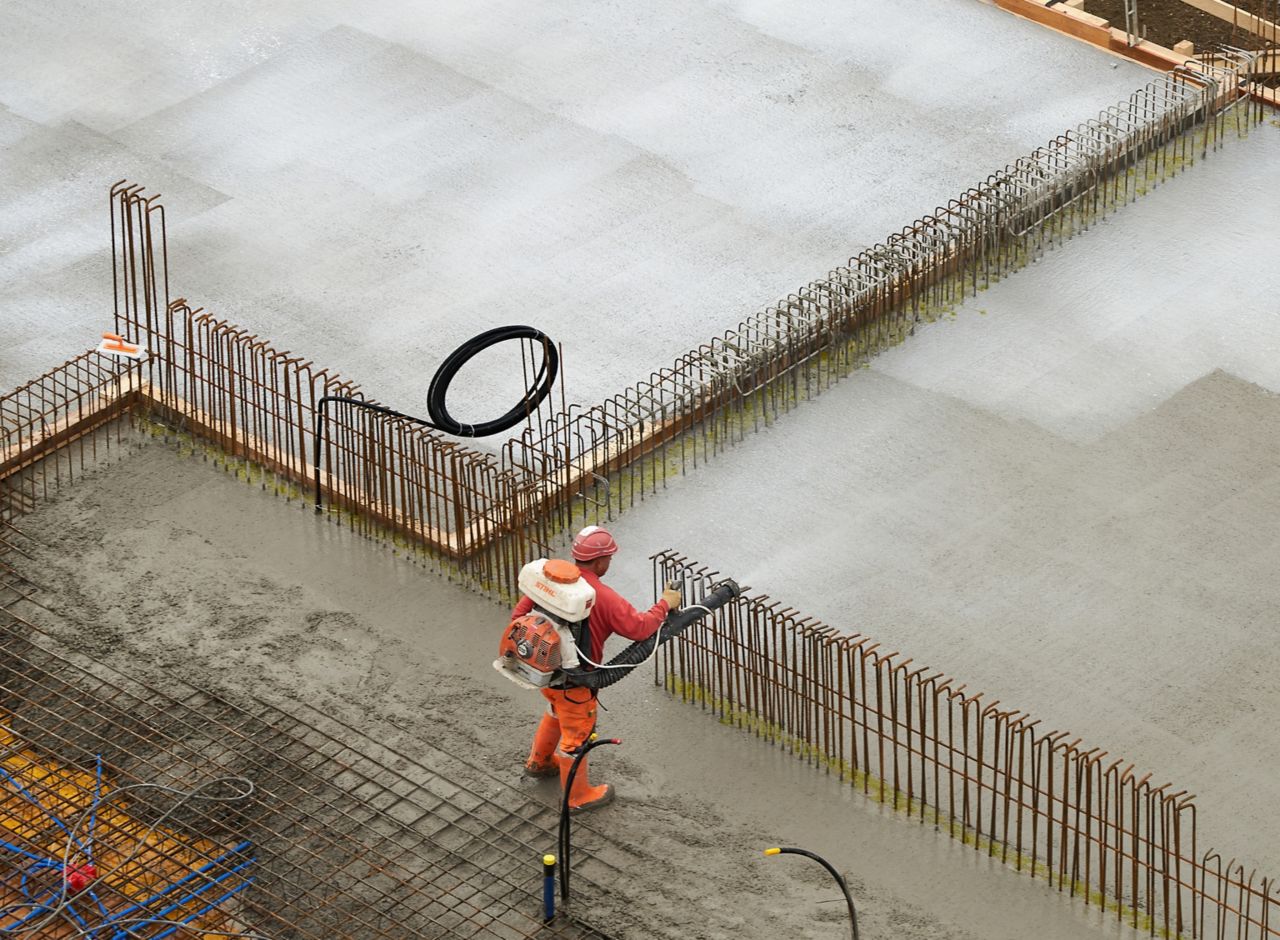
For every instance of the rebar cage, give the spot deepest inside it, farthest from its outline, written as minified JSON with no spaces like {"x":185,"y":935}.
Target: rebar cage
{"x":992,"y":777}
{"x":479,"y":515}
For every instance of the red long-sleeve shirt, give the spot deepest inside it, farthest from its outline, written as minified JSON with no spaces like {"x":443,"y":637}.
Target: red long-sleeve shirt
{"x":611,"y":614}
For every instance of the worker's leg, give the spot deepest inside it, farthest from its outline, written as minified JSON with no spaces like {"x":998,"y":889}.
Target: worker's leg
{"x":542,"y":755}
{"x":576,"y":709}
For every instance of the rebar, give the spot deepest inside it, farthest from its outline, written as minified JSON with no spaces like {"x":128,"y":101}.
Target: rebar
{"x":479,"y":516}
{"x":42,"y":420}
{"x":790,"y":352}
{"x":988,"y":775}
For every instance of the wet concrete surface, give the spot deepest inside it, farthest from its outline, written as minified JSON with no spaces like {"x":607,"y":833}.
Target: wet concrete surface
{"x":162,"y":562}
{"x":1180,"y":283}
{"x":1121,"y":590}
{"x":1066,"y":496}
{"x":368,"y":184}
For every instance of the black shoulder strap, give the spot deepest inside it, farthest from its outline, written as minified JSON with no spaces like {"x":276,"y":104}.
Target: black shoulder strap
{"x":582,"y":637}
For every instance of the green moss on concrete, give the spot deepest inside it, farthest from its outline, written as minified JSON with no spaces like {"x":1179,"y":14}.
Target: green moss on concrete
{"x":881,"y":792}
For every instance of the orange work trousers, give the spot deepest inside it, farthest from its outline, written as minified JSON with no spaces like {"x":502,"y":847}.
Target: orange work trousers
{"x":575,"y":709}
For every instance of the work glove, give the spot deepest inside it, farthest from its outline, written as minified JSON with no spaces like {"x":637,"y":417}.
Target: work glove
{"x":672,"y":596}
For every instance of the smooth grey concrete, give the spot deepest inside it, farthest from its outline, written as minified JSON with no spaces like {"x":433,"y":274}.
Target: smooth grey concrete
{"x":370,"y":183}
{"x":1067,"y":496}
{"x":1180,"y":283}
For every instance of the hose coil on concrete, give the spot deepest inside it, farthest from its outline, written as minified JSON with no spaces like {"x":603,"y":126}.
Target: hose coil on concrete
{"x":438,"y":390}
{"x":448,"y":371}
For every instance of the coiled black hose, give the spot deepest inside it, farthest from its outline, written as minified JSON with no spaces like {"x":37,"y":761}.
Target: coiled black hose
{"x":635,"y":654}
{"x":533,"y":396}
{"x":438,"y":391}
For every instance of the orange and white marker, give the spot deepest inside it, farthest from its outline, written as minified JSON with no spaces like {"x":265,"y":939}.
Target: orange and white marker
{"x":113,"y":344}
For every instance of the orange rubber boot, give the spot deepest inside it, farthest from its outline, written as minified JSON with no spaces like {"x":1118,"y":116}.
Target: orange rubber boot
{"x":542,"y":756}
{"x":583,"y":796}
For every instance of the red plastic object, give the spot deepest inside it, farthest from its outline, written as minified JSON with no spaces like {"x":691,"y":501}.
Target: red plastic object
{"x":80,"y":877}
{"x":593,"y":542}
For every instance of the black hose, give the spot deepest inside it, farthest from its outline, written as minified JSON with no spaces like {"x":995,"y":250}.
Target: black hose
{"x":565,"y":842}
{"x":635,"y":654}
{"x":844,"y":888}
{"x":438,"y":391}
{"x":533,"y":396}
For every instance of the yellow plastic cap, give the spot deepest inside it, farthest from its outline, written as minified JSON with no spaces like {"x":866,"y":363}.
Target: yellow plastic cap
{"x":773,"y":851}
{"x":548,"y":859}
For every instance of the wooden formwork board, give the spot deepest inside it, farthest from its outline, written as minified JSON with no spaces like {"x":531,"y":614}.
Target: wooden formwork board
{"x":1238,"y":17}
{"x":1100,"y":33}
{"x":458,"y":544}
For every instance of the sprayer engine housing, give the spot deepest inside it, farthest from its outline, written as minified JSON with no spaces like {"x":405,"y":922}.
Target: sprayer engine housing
{"x":532,"y":650}
{"x":536,"y":648}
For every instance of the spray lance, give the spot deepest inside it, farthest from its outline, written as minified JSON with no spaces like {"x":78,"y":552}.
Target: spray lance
{"x":543,"y":649}
{"x":642,"y":651}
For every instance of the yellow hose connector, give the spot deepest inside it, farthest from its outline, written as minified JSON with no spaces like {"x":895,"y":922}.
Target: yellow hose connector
{"x":548,"y":859}
{"x":773,"y":851}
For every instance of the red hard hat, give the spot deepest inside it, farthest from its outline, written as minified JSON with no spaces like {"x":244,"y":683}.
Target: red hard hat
{"x":593,"y":542}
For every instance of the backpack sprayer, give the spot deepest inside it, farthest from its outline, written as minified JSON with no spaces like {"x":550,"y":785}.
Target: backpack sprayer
{"x":544,"y":648}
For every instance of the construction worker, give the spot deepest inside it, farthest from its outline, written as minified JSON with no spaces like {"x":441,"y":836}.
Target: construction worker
{"x":571,"y":713}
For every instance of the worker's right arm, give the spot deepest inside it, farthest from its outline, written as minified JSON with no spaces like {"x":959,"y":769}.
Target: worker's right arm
{"x":615,"y":615}
{"x":523,"y":606}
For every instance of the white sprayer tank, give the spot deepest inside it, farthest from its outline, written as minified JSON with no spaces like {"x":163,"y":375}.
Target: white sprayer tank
{"x":567,"y":601}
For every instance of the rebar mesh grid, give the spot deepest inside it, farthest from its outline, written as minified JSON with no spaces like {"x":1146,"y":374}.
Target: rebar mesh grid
{"x":993,"y":777}
{"x":349,"y":838}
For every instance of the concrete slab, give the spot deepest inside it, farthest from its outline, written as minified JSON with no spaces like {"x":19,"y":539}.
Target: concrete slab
{"x":1172,"y":287}
{"x":371,"y":183}
{"x":1066,"y":496}
{"x":223,"y":583}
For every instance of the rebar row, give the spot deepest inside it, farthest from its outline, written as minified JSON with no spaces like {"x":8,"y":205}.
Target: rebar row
{"x":607,"y":457}
{"x":483,"y":516}
{"x":991,"y":776}
{"x":257,"y":405}
{"x":478,"y":516}
{"x":39,"y":421}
